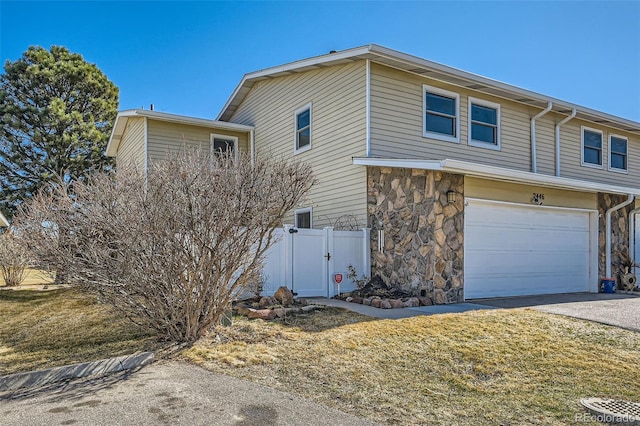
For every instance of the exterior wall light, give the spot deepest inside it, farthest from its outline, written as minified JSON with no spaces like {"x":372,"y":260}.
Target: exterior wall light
{"x":451,"y":196}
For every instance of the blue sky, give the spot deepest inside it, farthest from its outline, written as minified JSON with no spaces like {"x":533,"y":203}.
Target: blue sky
{"x":187,"y":57}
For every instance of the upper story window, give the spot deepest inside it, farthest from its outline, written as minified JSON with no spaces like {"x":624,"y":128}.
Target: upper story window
{"x":303,"y":129}
{"x":618,"y":153}
{"x":441,"y":114}
{"x":484,"y":124}
{"x":591,"y":147}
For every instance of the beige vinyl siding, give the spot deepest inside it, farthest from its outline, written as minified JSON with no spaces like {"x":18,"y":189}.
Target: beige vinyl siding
{"x":397,"y":123}
{"x":165,"y":137}
{"x":571,"y":152}
{"x":338,"y":97}
{"x":131,"y":149}
{"x":523,"y":194}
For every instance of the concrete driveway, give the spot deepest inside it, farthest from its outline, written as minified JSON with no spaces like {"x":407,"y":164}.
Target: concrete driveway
{"x":164,"y":393}
{"x":620,"y":310}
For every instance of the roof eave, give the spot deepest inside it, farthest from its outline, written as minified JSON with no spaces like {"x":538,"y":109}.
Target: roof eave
{"x":410,"y":63}
{"x":123,"y":116}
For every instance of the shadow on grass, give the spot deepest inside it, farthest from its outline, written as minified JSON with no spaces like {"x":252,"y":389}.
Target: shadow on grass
{"x":27,"y":296}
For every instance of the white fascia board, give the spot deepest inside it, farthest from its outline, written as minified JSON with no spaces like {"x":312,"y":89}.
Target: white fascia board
{"x":185,"y":119}
{"x":398,"y":163}
{"x":116,"y":134}
{"x":496,"y":173}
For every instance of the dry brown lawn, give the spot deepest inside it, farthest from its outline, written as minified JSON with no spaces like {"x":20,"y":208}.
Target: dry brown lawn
{"x":483,"y":367}
{"x":33,"y":277}
{"x":42,"y":329}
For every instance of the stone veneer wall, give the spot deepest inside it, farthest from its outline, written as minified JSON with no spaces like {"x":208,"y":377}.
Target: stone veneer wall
{"x":423,"y":233}
{"x":619,"y":234}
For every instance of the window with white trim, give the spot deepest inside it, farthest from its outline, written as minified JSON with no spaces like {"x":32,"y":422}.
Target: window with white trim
{"x":591,"y":147}
{"x":304,"y":218}
{"x":484,"y":124}
{"x":222,"y":144}
{"x":441,"y":114}
{"x":618,"y":153}
{"x":302,"y":118}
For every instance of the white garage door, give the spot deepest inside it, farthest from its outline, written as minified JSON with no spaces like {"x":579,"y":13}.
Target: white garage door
{"x":513,"y":250}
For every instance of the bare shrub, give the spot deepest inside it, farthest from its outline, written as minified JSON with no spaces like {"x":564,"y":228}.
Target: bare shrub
{"x":13,"y":260}
{"x":169,"y":250}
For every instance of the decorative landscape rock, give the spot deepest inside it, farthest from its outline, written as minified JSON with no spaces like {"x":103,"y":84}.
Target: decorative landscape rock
{"x":284,"y":296}
{"x":252,"y":311}
{"x":267,"y":301}
{"x":264,"y":314}
{"x":425,"y":301}
{"x":412,"y":302}
{"x":385,"y":304}
{"x":396,"y":303}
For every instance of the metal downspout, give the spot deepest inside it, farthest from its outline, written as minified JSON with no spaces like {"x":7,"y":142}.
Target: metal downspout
{"x":534,"y":161}
{"x":560,"y":124}
{"x":632,"y":236}
{"x":608,"y":233}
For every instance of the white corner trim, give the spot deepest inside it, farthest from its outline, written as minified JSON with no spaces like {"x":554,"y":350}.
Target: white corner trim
{"x":146,"y":146}
{"x":368,"y":107}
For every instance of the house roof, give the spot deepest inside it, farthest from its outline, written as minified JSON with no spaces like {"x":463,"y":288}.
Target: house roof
{"x":4,"y":223}
{"x":496,"y":173}
{"x":123,"y":116}
{"x":416,"y":65}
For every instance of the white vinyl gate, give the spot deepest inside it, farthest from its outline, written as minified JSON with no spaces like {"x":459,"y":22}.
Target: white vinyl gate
{"x":305,"y":260}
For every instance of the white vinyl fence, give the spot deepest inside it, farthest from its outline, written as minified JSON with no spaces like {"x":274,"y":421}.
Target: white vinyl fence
{"x":307,"y":260}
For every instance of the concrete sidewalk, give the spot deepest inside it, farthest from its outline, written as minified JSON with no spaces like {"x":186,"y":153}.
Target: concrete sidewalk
{"x":399,"y":313}
{"x":165,"y":393}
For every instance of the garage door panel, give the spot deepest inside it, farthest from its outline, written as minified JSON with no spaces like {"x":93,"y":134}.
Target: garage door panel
{"x":522,"y":250}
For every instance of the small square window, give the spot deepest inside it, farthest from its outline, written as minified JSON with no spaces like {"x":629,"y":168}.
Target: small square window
{"x":441,"y":114}
{"x":303,"y":129}
{"x":591,"y":147}
{"x":223,"y":145}
{"x":484,"y":124}
{"x":618,"y":153}
{"x":303,"y":218}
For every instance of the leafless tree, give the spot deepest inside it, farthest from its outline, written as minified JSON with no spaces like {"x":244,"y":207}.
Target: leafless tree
{"x":13,"y":260}
{"x":172,"y":248}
